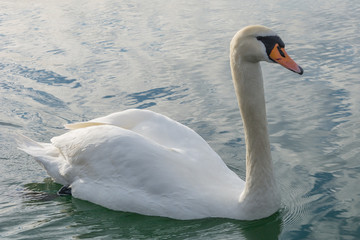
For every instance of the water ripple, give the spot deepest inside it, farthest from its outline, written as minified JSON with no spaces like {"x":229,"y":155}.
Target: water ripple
{"x":7,"y":124}
{"x":38,"y":75}
{"x":39,"y":96}
{"x":170,"y":93}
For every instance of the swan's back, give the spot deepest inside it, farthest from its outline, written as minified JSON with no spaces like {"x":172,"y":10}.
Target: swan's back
{"x":159,"y":129}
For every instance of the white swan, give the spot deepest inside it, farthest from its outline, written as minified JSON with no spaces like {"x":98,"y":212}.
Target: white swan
{"x":141,"y":161}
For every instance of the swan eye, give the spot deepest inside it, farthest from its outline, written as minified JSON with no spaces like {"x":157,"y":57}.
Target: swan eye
{"x":270,"y":42}
{"x":280,"y":51}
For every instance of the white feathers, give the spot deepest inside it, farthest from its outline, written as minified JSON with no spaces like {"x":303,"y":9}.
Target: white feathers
{"x":156,"y":167}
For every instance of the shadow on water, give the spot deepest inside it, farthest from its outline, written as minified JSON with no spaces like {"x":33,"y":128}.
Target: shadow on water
{"x":91,"y":220}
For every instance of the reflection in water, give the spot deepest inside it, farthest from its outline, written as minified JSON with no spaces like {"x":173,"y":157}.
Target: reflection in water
{"x":38,"y":192}
{"x":268,"y":228}
{"x":77,"y":214}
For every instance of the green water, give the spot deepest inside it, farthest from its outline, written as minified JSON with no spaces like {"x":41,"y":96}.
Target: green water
{"x":70,"y":61}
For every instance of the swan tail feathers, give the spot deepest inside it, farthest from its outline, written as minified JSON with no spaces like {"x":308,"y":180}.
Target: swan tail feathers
{"x":73,"y":126}
{"x":24,"y":143}
{"x":46,"y":154}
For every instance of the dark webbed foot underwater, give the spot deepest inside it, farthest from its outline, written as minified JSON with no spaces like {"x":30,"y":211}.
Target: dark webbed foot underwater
{"x":64,"y":191}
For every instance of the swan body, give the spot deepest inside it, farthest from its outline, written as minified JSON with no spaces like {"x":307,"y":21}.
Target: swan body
{"x":144,"y":162}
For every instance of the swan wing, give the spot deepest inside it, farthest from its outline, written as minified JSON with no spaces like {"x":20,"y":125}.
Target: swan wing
{"x":160,"y":129}
{"x":123,"y":170}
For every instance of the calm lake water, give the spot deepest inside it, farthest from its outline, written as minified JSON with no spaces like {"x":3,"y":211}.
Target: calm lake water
{"x":67,"y":61}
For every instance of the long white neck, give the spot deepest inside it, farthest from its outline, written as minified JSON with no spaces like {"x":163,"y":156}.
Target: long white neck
{"x":260,"y":188}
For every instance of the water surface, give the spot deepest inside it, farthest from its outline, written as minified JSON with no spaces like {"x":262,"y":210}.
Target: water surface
{"x":69,"y":61}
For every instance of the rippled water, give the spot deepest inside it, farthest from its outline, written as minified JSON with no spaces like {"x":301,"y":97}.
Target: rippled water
{"x":66,"y":61}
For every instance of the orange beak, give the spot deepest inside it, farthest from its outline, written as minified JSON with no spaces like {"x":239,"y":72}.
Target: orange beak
{"x":280,"y":56}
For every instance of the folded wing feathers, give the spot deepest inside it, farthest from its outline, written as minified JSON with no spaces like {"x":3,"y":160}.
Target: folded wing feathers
{"x":82,"y":125}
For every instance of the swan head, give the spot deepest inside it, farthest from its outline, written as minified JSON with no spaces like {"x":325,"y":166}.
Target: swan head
{"x":258,"y":43}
